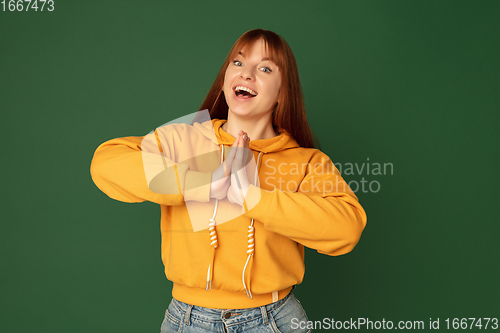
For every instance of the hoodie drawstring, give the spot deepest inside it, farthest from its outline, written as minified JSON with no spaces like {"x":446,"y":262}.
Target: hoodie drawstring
{"x":251,"y":243}
{"x":251,"y":239}
{"x":213,"y":236}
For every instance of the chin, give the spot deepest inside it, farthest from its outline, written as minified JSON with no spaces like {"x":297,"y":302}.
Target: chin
{"x":246,"y":110}
{"x":240,"y":112}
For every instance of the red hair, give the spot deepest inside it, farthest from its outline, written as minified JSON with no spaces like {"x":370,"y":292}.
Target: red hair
{"x":290,"y":112}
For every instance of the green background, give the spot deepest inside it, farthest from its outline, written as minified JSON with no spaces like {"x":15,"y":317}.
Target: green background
{"x":412,"y":83}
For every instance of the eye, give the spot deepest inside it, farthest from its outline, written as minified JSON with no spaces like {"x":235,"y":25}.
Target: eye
{"x":266,"y":69}
{"x":237,"y":63}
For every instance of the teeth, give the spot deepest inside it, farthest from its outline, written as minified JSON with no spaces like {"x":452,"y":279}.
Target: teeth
{"x":239,"y":88}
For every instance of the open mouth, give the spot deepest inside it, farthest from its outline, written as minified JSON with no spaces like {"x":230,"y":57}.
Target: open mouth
{"x":244,"y":92}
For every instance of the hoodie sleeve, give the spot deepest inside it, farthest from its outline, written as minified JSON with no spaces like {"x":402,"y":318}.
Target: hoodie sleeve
{"x":324,"y":214}
{"x":137,"y":169}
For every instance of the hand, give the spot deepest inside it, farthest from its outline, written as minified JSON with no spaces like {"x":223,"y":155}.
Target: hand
{"x":220,"y":177}
{"x":239,"y":178}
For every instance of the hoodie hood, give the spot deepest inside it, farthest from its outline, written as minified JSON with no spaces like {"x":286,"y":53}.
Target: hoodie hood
{"x":278,"y":143}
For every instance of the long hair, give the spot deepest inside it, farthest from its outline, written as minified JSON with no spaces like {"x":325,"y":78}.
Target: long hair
{"x":289,"y":113}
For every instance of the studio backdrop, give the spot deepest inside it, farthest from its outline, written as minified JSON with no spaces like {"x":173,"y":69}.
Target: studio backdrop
{"x":402,"y":95}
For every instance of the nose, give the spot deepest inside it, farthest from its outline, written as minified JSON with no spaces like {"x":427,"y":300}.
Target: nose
{"x":247,"y":74}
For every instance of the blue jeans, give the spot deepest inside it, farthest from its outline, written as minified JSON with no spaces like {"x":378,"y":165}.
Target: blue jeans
{"x":272,"y":318}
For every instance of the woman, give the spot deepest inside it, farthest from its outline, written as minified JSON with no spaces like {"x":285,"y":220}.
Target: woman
{"x":241,"y":194}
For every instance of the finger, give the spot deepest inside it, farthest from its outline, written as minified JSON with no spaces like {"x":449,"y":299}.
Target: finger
{"x":239,"y":153}
{"x":235,"y":143}
{"x":243,"y":140}
{"x":247,"y":153}
{"x":232,"y":152}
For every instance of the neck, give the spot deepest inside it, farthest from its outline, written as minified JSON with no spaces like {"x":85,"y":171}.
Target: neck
{"x":257,"y":129}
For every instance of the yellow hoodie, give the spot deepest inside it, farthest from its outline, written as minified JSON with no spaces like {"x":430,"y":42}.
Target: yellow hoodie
{"x":216,"y":253}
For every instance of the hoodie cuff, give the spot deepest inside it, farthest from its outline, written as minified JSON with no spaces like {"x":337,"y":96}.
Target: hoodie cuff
{"x":254,"y":200}
{"x":197,"y":186}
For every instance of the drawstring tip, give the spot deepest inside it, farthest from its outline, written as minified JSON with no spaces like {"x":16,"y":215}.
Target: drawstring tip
{"x":209,"y":280}
{"x":249,"y":293}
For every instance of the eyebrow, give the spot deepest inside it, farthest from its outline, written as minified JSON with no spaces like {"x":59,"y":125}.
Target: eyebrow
{"x":265,"y":58}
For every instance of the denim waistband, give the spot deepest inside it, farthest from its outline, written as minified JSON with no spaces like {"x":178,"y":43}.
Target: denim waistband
{"x":226,"y":315}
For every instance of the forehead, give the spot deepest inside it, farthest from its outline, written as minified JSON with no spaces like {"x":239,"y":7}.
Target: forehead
{"x":259,"y":46}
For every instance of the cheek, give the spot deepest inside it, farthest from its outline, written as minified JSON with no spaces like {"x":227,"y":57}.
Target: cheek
{"x":231,"y":71}
{"x":276,"y":90}
{"x":226,"y":87}
{"x":228,"y":77}
{"x":225,"y":80}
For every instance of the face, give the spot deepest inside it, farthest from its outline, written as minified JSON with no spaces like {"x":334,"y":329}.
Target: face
{"x":252,"y":82}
